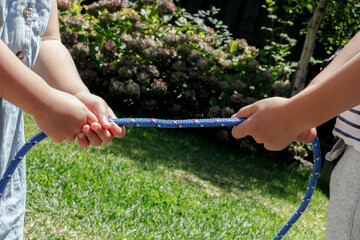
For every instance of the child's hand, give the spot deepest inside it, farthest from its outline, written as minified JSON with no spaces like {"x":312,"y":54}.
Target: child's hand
{"x":103,"y":131}
{"x":271,"y":123}
{"x":63,"y":116}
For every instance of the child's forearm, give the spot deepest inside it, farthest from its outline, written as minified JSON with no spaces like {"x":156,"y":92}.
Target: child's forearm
{"x":276,"y":122}
{"x":19,"y":85}
{"x":351,"y":49}
{"x":333,"y":90}
{"x":329,"y":95}
{"x":56,"y":66}
{"x":54,"y":62}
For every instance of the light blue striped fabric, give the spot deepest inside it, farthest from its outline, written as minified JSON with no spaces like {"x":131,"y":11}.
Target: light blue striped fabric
{"x":22,"y":25}
{"x":12,"y":204}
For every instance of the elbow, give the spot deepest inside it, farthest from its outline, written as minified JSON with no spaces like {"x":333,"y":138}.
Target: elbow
{"x":48,"y":37}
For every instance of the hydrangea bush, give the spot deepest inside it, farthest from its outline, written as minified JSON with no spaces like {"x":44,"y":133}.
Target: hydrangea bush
{"x":150,"y":58}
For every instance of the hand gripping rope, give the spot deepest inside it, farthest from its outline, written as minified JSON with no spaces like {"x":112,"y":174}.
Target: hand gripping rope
{"x":190,"y":123}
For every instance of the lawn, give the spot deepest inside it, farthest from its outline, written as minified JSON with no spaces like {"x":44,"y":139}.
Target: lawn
{"x":163,"y":184}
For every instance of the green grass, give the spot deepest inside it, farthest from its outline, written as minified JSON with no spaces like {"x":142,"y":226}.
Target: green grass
{"x":163,"y":184}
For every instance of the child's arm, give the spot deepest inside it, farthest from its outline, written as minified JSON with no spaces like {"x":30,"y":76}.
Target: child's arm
{"x":351,"y":49}
{"x":58,"y":114}
{"x":56,"y":66}
{"x":276,"y":122}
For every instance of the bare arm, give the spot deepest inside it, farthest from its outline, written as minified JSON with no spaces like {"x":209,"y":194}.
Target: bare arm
{"x":50,"y":107}
{"x":351,"y":49}
{"x":56,"y":66}
{"x":19,"y":85}
{"x":329,"y":94}
{"x":60,"y":115}
{"x":54,"y":62}
{"x":277,"y":122}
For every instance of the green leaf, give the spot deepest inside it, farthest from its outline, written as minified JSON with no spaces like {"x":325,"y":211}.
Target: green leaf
{"x":77,"y":8}
{"x":233,"y":47}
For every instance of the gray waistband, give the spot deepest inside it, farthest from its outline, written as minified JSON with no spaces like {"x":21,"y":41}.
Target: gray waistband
{"x":336,"y":150}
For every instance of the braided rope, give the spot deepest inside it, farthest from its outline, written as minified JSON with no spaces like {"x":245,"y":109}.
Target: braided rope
{"x":189,"y":123}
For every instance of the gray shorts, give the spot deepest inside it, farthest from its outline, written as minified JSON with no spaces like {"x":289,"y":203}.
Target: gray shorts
{"x":343,"y":218}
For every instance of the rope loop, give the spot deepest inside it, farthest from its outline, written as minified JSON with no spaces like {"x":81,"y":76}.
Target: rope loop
{"x":188,"y":123}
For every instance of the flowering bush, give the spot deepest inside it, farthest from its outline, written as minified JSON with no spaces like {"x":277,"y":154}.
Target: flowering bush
{"x":151,"y":58}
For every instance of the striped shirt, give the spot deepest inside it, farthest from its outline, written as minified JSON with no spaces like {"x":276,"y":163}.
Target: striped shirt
{"x":347,"y":127}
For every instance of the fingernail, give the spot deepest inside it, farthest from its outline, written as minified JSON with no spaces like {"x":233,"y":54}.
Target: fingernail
{"x":86,"y":128}
{"x":123,"y":130}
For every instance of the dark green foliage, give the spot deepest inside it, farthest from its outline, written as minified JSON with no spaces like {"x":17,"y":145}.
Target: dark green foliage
{"x":153,"y":59}
{"x":151,"y":53}
{"x":288,"y":22}
{"x":340,"y":24}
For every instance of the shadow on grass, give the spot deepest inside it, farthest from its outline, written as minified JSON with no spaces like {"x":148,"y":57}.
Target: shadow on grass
{"x":222,"y":166}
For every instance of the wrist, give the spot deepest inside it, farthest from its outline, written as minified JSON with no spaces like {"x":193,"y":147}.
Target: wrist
{"x":302,"y":109}
{"x":86,"y":98}
{"x":82,"y":93}
{"x":287,"y":117}
{"x":44,"y":102}
{"x":292,"y":115}
{"x":33,"y":100}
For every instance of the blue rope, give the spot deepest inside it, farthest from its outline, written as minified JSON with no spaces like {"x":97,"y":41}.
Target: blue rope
{"x":189,"y":123}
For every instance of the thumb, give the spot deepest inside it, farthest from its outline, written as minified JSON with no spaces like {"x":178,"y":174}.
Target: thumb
{"x":242,"y":130}
{"x":246,"y":111}
{"x":104,"y":121}
{"x":307,"y":136}
{"x":101,"y":113}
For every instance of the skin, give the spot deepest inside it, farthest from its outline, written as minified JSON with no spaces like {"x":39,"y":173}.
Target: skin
{"x":54,"y":94}
{"x":276,"y":122}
